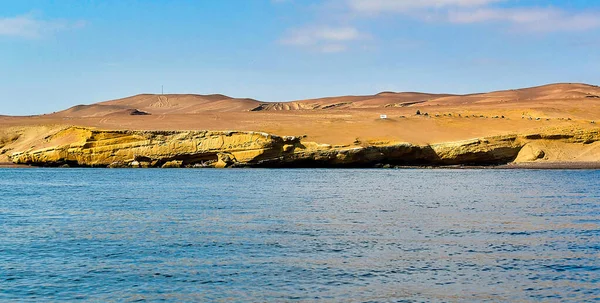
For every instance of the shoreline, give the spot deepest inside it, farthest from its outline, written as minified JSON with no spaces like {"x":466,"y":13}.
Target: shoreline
{"x":13,"y":165}
{"x":515,"y":166}
{"x":552,"y":165}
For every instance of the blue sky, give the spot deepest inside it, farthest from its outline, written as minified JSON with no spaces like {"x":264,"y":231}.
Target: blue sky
{"x":55,"y":54}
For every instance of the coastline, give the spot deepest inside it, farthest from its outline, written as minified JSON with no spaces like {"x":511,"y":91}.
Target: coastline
{"x":552,"y":165}
{"x":13,"y":165}
{"x":517,"y":166}
{"x":511,"y":166}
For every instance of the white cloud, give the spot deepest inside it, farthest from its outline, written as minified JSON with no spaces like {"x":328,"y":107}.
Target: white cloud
{"x":27,"y":26}
{"x":337,"y":34}
{"x":333,"y":48}
{"x":530,"y":19}
{"x":391,"y":6}
{"x":326,"y":39}
{"x":509,"y":15}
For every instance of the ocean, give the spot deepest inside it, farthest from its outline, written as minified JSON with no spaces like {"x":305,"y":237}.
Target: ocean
{"x":304,"y":235}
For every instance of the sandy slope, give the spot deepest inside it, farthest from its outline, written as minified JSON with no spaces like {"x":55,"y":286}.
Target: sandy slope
{"x":338,"y":120}
{"x":196,"y":104}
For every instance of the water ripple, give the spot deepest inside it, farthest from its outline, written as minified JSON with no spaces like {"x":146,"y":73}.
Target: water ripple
{"x":299,"y":235}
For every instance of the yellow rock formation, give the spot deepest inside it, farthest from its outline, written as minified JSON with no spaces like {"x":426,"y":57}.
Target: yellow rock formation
{"x":79,"y":146}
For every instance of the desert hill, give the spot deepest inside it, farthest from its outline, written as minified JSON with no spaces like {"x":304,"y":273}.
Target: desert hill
{"x":162,"y":104}
{"x":563,"y":108}
{"x":380,"y":100}
{"x":560,"y":91}
{"x":171,"y":104}
{"x":193,"y":104}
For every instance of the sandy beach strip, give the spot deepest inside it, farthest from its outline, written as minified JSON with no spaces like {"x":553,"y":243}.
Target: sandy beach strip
{"x":12,"y":165}
{"x":552,"y":165}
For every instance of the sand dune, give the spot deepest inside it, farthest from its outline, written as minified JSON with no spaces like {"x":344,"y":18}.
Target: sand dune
{"x":562,"y":91}
{"x":195,"y":104}
{"x":162,"y":104}
{"x":339,"y":120}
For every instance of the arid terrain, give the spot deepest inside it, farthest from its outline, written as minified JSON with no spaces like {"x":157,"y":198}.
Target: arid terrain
{"x":543,"y":117}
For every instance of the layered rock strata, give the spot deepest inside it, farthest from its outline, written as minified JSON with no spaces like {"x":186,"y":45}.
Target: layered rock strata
{"x":78,"y":146}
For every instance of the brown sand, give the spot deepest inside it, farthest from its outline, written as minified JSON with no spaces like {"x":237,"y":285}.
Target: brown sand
{"x":12,"y":165}
{"x":340,"y":120}
{"x":552,"y":165}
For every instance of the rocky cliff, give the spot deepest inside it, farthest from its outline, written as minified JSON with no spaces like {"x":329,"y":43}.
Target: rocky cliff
{"x":78,"y":146}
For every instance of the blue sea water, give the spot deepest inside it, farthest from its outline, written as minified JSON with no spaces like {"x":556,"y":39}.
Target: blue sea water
{"x":306,"y":235}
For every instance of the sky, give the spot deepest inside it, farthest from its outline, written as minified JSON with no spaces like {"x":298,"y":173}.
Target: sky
{"x":56,"y":54}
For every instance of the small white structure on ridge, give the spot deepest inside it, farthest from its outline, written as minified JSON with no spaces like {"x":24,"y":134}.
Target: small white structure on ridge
{"x":382,"y":116}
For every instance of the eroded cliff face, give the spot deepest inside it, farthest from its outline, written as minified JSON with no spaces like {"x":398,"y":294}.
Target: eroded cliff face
{"x":77,"y":146}
{"x":98,"y":148}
